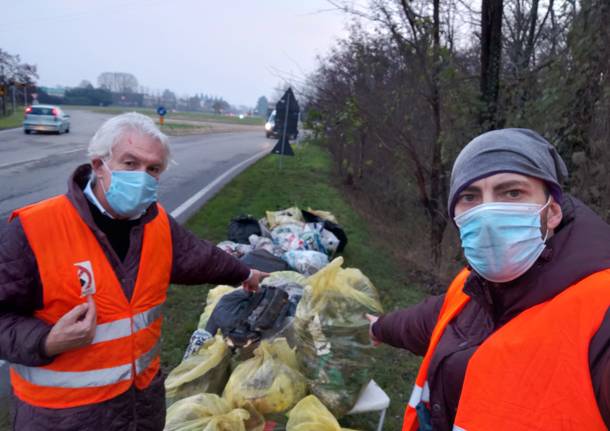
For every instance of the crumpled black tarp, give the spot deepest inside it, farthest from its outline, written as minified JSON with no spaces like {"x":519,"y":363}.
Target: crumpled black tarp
{"x":245,"y":317}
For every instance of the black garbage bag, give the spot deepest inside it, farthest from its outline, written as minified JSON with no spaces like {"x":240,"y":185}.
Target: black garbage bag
{"x":241,"y":227}
{"x":246,"y":318}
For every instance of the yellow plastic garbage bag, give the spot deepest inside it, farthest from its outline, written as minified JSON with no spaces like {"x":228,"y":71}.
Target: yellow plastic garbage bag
{"x":333,"y":345}
{"x":279,"y":277}
{"x":311,"y":415}
{"x":270,"y":380}
{"x":213,"y":297}
{"x":324,"y":215}
{"x":206,"y":412}
{"x":205,"y":371}
{"x":288,"y":215}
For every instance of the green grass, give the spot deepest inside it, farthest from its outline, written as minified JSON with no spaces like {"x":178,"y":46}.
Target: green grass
{"x":13,"y":120}
{"x":200,"y":116}
{"x":180,"y":129}
{"x":306,"y":180}
{"x":189,"y":116}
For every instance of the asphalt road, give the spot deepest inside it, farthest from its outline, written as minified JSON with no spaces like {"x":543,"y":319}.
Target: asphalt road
{"x":34,"y":167}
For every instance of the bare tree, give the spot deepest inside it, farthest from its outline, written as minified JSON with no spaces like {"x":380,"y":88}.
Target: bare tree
{"x":85,"y":84}
{"x":13,"y":73}
{"x":118,"y":82}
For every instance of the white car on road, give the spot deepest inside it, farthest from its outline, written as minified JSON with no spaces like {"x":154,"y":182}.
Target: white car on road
{"x":45,"y":118}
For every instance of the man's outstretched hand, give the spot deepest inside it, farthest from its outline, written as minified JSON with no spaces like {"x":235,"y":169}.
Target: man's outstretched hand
{"x":372,"y":319}
{"x":74,"y":329}
{"x":251,"y":284}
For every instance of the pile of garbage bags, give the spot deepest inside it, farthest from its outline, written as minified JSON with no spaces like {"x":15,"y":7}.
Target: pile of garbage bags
{"x":300,"y":240}
{"x":293,"y":356}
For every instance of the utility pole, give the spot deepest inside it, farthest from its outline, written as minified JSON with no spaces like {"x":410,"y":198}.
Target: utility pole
{"x":284,"y":138}
{"x":14,"y":104}
{"x":2,"y":90}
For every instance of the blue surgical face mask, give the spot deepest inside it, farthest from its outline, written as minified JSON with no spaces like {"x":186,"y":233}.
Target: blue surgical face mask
{"x":501,"y":240}
{"x":131,"y":192}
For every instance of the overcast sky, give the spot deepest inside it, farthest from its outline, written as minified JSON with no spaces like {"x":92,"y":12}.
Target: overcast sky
{"x":237,"y":49}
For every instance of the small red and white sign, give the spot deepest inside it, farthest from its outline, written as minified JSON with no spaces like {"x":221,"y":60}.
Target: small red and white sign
{"x":84,"y":271}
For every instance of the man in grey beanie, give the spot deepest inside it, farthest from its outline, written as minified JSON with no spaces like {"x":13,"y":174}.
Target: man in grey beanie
{"x":521,"y":338}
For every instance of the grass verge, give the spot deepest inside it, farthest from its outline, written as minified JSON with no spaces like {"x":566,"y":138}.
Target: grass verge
{"x":188,"y":116}
{"x":13,"y":120}
{"x":305,"y":180}
{"x":182,"y":129}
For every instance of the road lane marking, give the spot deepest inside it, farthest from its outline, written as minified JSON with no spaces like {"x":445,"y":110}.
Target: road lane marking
{"x":201,"y":193}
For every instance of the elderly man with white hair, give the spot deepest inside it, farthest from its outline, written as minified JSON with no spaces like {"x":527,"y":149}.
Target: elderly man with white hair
{"x":83,"y":280}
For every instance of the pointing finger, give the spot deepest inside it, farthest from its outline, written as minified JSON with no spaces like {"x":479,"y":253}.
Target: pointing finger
{"x":91,"y":316}
{"x":76,"y":313}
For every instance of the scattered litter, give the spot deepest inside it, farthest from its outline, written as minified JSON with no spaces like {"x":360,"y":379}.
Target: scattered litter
{"x":307,"y":262}
{"x":260,"y":244}
{"x":265,"y":261}
{"x":289,"y":215}
{"x":234,"y":249}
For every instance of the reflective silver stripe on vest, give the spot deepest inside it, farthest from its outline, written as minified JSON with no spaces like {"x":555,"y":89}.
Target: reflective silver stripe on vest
{"x":425,"y":396}
{"x":415,"y":396}
{"x":122,"y":328}
{"x":457,"y":428}
{"x":419,"y":394}
{"x":144,"y":361}
{"x":83,"y":379}
{"x":146,"y":318}
{"x":105,"y":376}
{"x":73,"y":379}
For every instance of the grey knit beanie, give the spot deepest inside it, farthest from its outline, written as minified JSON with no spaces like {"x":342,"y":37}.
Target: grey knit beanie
{"x":520,"y":151}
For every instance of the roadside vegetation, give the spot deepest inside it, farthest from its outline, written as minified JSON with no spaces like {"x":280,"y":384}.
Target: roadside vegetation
{"x":188,"y":116}
{"x":12,"y":120}
{"x":306,"y":180}
{"x":183,"y":129}
{"x":397,"y":99}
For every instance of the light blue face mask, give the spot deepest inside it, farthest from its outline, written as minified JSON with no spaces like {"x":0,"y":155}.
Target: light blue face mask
{"x":502,"y":240}
{"x":131,"y":192}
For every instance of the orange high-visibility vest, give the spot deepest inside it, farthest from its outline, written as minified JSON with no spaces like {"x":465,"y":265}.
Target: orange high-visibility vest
{"x":533,"y":373}
{"x":125,"y":349}
{"x":455,"y":300}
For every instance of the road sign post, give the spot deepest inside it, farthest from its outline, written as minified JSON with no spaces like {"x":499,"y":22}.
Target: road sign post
{"x":161,"y":111}
{"x":287,"y":106}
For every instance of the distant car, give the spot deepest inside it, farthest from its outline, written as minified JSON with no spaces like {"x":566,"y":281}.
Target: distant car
{"x":273,"y":130}
{"x":270,"y":126}
{"x":45,"y":118}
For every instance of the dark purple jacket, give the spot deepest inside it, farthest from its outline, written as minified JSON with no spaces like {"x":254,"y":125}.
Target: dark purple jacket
{"x":580,"y":246}
{"x":22,"y":336}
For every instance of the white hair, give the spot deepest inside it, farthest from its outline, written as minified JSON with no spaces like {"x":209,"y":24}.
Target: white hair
{"x":114,"y":129}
